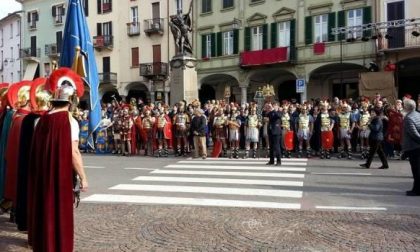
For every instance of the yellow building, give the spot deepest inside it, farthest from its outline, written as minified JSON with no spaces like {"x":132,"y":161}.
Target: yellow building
{"x":250,"y":43}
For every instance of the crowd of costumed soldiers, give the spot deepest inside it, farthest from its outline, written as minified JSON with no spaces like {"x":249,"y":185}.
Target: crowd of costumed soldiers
{"x":319,"y":127}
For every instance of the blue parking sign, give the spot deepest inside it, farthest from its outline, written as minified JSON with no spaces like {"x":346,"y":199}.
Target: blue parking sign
{"x":300,"y":85}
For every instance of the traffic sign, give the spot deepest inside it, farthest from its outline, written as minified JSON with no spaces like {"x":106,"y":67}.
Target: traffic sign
{"x":300,"y":85}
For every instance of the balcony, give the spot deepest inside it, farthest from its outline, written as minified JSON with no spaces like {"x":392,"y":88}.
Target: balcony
{"x":399,"y":38}
{"x":52,"y":50}
{"x":153,"y":26}
{"x":58,"y":20}
{"x":265,"y":57}
{"x":106,"y":7}
{"x":27,"y":53}
{"x":108,"y":78}
{"x":103,"y":42}
{"x":154,"y":70}
{"x":32,"y":25}
{"x":133,"y":29}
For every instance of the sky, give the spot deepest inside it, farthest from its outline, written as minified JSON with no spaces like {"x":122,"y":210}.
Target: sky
{"x":8,"y":6}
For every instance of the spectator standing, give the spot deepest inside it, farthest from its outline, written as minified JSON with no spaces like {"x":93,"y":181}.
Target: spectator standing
{"x":411,"y":143}
{"x":198,"y":128}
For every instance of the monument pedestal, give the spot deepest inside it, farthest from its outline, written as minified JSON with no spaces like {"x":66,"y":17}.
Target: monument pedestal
{"x":183,"y":79}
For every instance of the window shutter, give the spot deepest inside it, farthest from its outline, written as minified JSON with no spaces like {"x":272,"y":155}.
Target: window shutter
{"x":99,"y":29}
{"x":59,"y":40}
{"x":367,"y":18}
{"x":219,"y":44}
{"x":63,"y":10}
{"x":265,"y":36}
{"x":274,"y":35}
{"x":54,"y":11}
{"x":213,"y":44}
{"x":308,"y":30}
{"x":110,"y":28}
{"x":247,"y":39}
{"x":36,"y":16}
{"x":134,"y":56}
{"x":292,"y":49}
{"x":341,"y":23}
{"x":99,"y":6}
{"x":331,"y":25}
{"x":203,"y":46}
{"x":86,"y":7}
{"x":236,"y":41}
{"x":29,"y":17}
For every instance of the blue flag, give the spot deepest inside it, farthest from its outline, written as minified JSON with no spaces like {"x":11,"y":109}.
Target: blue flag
{"x":76,"y":35}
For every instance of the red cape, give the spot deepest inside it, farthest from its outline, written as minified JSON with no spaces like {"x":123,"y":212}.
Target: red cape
{"x":50,"y":185}
{"x":12,"y":153}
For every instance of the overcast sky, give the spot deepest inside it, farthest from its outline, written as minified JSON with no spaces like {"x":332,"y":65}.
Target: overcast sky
{"x":8,"y":6}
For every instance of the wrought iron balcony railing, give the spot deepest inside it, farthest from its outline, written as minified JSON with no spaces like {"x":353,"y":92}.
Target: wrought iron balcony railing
{"x":153,"y":26}
{"x":133,"y":29}
{"x":103,"y":41}
{"x":108,"y":78}
{"x":30,"y":53}
{"x":51,"y":50}
{"x":154,"y":70}
{"x":398,"y":38}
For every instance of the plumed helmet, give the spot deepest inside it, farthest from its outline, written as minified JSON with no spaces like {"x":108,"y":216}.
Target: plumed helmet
{"x":18,"y":94}
{"x":40,"y":97}
{"x":65,"y":85}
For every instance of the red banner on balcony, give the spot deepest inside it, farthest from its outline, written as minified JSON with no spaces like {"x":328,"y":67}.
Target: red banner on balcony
{"x":319,"y":48}
{"x":265,"y":57}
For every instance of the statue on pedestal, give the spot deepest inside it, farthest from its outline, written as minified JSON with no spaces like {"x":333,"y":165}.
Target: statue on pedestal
{"x":181,"y":27}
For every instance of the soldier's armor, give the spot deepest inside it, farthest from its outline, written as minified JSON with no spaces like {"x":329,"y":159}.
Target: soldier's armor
{"x":161,"y":122}
{"x":181,"y":120}
{"x":364,"y":119}
{"x":303,"y":121}
{"x":285,"y":121}
{"x":253,"y":121}
{"x":344,"y":120}
{"x":147,"y":122}
{"x":220,"y":121}
{"x":233,"y":124}
{"x":325,"y":122}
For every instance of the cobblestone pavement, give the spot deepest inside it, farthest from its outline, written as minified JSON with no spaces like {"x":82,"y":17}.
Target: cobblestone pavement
{"x":162,"y":228}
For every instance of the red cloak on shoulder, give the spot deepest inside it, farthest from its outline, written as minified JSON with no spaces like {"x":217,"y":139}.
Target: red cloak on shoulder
{"x":50,"y":185}
{"x":12,"y":153}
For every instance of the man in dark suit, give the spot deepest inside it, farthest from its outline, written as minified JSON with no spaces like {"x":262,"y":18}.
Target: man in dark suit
{"x":274,"y":133}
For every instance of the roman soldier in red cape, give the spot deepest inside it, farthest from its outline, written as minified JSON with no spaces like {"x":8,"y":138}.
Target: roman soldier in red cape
{"x":39,"y":102}
{"x":326,"y":127}
{"x":395,"y":126}
{"x":18,"y":96}
{"x":147,"y":131}
{"x":163,"y":133}
{"x":55,"y":157}
{"x":5,"y":119}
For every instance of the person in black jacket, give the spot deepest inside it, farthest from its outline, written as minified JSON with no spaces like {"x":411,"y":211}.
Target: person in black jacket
{"x":199,"y":128}
{"x":376,"y":137}
{"x":274,"y":133}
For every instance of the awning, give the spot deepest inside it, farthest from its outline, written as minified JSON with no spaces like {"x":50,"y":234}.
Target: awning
{"x":30,"y":71}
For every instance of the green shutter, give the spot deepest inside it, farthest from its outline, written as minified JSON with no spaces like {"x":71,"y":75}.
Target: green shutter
{"x":203,"y":46}
{"x":236,"y":41}
{"x":341,"y":23}
{"x":219,"y":44}
{"x":247,"y":39}
{"x":213,"y":44}
{"x":292,"y":49}
{"x":331,"y":25}
{"x":308,"y":30}
{"x":265,"y":36}
{"x":274,"y":35}
{"x":367,"y":18}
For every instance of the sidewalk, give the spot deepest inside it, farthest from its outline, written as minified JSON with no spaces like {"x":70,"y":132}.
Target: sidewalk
{"x":166,"y":228}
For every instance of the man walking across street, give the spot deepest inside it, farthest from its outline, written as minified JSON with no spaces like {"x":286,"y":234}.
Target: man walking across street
{"x":198,"y":127}
{"x":411,"y":143}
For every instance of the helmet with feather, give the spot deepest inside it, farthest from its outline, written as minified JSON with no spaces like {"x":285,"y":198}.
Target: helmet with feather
{"x":65,"y":86}
{"x":40,"y":97}
{"x":18,"y":95}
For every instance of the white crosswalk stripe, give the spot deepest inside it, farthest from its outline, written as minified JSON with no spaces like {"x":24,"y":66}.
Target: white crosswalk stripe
{"x":215,"y":182}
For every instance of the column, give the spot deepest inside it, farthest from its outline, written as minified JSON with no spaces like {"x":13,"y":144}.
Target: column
{"x":243,"y":95}
{"x":152,"y":97}
{"x":167,"y":98}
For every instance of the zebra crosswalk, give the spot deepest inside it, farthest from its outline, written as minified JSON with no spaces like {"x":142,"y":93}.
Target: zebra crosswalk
{"x":214,"y":182}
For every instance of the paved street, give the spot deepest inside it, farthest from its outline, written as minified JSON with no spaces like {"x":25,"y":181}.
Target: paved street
{"x":178,"y":204}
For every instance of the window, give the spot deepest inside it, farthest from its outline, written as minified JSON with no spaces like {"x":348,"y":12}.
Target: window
{"x":134,"y":14}
{"x":284,"y":34}
{"x":1,"y":37}
{"x":206,"y":6}
{"x":135,"y":57}
{"x":355,"y":18}
{"x":178,"y":6}
{"x":11,"y":54}
{"x":32,"y":19}
{"x":227,"y":4}
{"x":18,"y":28}
{"x":11,"y":30}
{"x":257,"y":38}
{"x":58,"y":12}
{"x":208,"y":45}
{"x":85,"y":4}
{"x":228,"y":43}
{"x":104,"y":6}
{"x":321,"y":28}
{"x":11,"y":78}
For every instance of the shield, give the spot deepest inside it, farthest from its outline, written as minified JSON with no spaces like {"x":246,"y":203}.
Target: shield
{"x":327,"y":139}
{"x":289,"y":142}
{"x":217,"y":148}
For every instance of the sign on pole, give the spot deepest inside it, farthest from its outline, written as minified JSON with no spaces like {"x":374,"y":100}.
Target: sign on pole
{"x":300,"y":85}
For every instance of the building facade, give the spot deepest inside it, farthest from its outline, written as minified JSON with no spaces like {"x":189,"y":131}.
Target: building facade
{"x":400,"y":47}
{"x":244,"y":45}
{"x":10,"y":41}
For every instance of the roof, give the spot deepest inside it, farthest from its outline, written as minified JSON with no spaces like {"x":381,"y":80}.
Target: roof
{"x":10,"y":15}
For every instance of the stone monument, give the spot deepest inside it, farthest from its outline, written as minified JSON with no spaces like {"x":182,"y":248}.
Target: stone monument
{"x":183,"y":72}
